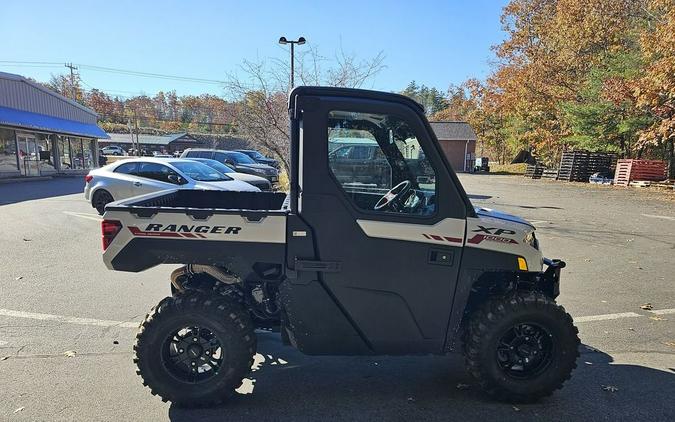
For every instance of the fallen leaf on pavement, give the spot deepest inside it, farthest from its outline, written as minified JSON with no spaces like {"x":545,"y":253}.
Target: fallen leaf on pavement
{"x":517,"y":409}
{"x":19,"y":409}
{"x":116,"y":342}
{"x":4,"y":358}
{"x":461,"y":386}
{"x":26,"y":240}
{"x":610,"y":388}
{"x":647,"y":306}
{"x":69,"y":353}
{"x":19,"y":277}
{"x":658,"y":318}
{"x":670,"y":343}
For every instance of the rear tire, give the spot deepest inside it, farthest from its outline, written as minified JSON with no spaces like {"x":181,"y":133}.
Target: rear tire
{"x":100,"y":199}
{"x":194,"y":349}
{"x":522,"y":347}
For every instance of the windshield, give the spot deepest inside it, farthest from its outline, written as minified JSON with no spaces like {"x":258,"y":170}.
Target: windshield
{"x":240,"y":158}
{"x":254,"y":154}
{"x":217,"y":165}
{"x":200,"y":172}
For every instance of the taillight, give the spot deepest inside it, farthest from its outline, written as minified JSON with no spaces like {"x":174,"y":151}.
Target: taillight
{"x":88,"y":178}
{"x":109,"y":229}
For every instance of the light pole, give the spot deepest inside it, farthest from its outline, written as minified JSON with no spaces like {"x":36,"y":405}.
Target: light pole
{"x":299,"y":41}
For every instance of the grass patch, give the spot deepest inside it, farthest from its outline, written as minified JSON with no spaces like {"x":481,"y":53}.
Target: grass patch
{"x":508,"y":168}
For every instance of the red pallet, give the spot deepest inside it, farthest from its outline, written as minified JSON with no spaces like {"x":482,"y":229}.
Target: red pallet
{"x":629,"y":170}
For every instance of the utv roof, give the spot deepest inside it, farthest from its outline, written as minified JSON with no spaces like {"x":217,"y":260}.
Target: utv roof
{"x":349,"y":92}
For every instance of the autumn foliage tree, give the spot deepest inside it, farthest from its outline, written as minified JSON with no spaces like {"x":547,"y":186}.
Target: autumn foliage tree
{"x":584,"y":74}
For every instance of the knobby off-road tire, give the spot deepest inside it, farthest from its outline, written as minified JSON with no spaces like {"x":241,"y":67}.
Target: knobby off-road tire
{"x":223,"y":328}
{"x":492,"y":344}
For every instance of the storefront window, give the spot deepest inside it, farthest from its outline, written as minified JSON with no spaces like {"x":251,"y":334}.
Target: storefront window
{"x":76,"y":150}
{"x":7,"y":152}
{"x":89,"y":146}
{"x":46,"y":154}
{"x":64,"y":153}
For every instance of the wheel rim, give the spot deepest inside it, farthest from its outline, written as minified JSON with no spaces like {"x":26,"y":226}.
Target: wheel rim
{"x":525,"y":351}
{"x":192,"y":354}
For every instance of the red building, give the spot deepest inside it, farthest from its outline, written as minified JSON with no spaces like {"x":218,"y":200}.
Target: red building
{"x":458,"y":141}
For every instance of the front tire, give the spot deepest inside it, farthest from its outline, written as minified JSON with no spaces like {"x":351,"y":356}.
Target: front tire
{"x":194,"y":349}
{"x":100,"y":199}
{"x":522,"y":347}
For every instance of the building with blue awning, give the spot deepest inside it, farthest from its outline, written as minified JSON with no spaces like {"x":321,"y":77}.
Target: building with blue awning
{"x":43,"y":132}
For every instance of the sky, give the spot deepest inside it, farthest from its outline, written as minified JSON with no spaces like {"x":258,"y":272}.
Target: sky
{"x":435,"y":43}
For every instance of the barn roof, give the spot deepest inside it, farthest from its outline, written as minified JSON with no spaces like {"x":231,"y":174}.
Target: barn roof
{"x":453,"y":131}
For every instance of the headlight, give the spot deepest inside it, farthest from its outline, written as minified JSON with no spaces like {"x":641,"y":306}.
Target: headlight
{"x":531,"y":240}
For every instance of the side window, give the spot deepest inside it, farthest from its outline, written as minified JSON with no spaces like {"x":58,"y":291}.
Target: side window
{"x":157,"y":171}
{"x":384,"y":168}
{"x":203,"y":154}
{"x":220,"y":156}
{"x":127,"y":168}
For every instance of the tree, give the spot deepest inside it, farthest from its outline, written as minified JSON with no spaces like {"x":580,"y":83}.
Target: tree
{"x":431,"y":99}
{"x":260,"y":93}
{"x":655,"y":88}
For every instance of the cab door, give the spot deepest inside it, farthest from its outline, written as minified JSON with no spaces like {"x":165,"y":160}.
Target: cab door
{"x":393,"y":247}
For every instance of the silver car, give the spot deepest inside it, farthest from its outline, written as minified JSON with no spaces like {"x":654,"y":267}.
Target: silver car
{"x":132,"y":177}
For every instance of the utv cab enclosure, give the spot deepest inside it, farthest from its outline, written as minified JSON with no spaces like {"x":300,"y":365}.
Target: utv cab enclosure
{"x":343,"y":266}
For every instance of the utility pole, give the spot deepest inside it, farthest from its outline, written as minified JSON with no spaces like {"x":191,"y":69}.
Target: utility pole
{"x":138,"y":143}
{"x":72,"y":79}
{"x":299,"y":41}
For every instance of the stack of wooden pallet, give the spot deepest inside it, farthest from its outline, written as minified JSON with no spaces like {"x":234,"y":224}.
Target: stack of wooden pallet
{"x":534,"y":171}
{"x":578,"y":166}
{"x":639,"y":170}
{"x":551,"y":174}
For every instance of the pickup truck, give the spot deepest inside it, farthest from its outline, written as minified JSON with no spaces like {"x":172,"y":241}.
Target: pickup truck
{"x":342,"y":267}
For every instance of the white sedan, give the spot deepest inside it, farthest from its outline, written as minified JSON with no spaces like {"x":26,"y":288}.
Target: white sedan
{"x":127,"y":178}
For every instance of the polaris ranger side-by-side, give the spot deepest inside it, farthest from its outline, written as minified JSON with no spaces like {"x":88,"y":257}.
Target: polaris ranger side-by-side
{"x":342,"y":266}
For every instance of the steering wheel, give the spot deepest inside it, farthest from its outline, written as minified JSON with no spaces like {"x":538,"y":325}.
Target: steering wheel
{"x":393,"y":196}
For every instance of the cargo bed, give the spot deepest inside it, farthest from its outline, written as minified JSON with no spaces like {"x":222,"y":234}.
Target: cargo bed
{"x":165,"y":228}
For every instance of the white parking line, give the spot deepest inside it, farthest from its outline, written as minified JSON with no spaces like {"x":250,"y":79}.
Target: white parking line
{"x":128,"y":324}
{"x":94,"y":217}
{"x":606,"y":317}
{"x":67,"y":319}
{"x":665,"y":217}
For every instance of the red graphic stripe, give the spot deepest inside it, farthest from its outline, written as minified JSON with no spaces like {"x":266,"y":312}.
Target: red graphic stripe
{"x":189,"y":235}
{"x":138,"y":232}
{"x":453,"y":239}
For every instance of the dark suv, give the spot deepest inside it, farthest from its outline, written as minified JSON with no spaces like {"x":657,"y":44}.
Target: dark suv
{"x":241,"y":163}
{"x":259,"y":158}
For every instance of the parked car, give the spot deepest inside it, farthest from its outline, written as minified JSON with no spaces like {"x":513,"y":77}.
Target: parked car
{"x":259,"y":158}
{"x":239,"y":162}
{"x":257,"y":181}
{"x":362,"y":164}
{"x":113,"y":150}
{"x":138,"y":176}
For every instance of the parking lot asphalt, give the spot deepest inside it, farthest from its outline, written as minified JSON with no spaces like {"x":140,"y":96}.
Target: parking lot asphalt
{"x":66,"y":322}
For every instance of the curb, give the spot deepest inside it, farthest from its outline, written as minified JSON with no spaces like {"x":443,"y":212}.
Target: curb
{"x":24,"y":179}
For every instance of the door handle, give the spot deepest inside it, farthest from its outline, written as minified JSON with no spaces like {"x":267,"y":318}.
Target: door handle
{"x":138,"y":184}
{"x":441,"y":257}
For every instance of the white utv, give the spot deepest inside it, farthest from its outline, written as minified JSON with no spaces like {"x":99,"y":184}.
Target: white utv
{"x":344,"y":267}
